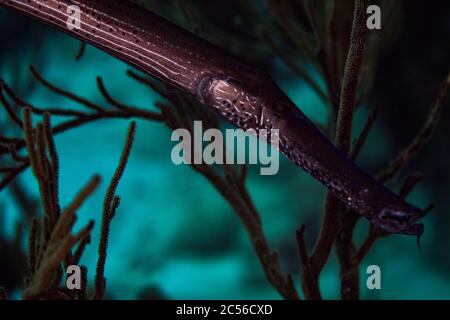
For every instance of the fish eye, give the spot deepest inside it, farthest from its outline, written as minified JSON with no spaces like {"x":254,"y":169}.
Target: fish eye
{"x":281,"y":108}
{"x":394,"y":216}
{"x":203,"y":87}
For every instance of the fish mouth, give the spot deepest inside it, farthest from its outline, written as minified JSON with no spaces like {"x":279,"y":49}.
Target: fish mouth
{"x":397,"y":221}
{"x":415,"y":230}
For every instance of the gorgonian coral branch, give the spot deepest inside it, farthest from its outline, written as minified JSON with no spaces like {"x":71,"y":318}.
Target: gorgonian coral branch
{"x":421,"y":138}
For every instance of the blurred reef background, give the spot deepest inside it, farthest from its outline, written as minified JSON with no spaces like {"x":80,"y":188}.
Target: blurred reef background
{"x":174,"y":236}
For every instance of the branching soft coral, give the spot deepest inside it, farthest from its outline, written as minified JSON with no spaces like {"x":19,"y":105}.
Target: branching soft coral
{"x":52,"y":245}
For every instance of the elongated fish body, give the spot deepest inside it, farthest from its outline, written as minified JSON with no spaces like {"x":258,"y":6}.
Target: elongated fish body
{"x":245,"y":96}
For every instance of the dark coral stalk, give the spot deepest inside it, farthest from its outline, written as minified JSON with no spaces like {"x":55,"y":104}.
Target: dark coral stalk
{"x":421,"y":138}
{"x":110,"y":205}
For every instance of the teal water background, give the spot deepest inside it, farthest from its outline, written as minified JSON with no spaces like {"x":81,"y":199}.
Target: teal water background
{"x":173,"y":235}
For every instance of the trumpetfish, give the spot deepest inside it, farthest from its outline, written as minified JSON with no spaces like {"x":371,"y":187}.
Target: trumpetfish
{"x":244,"y":95}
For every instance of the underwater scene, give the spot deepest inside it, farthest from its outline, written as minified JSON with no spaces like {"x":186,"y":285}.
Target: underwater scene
{"x":118,"y":118}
